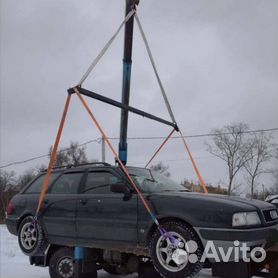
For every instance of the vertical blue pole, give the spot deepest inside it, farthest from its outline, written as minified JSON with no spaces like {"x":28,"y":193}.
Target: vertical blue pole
{"x":79,"y":253}
{"x":128,"y":39}
{"x":124,"y":115}
{"x":79,"y":256}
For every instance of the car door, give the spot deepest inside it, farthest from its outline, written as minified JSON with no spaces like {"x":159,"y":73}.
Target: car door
{"x":103,"y":215}
{"x":59,"y":208}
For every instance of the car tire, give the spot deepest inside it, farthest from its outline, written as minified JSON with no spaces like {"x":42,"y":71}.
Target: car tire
{"x":61,"y":263}
{"x":189,"y":253}
{"x":111,"y":269}
{"x":31,"y":238}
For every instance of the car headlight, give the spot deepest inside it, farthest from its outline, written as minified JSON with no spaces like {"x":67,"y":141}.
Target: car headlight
{"x":246,"y":219}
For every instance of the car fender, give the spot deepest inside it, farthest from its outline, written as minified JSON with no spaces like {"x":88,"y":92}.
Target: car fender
{"x":151,"y":226}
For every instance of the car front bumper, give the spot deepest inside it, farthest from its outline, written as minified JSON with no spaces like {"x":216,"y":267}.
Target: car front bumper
{"x":225,"y":239}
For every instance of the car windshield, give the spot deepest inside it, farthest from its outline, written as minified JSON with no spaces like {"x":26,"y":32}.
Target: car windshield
{"x":152,"y":182}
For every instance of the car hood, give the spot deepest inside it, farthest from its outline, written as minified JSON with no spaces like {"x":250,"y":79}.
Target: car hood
{"x":221,"y":199}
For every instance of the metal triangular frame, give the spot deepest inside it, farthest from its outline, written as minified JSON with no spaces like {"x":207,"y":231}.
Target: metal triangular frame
{"x":115,"y":103}
{"x":81,"y":91}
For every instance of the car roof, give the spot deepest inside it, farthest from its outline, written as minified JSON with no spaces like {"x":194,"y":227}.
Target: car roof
{"x":78,"y":167}
{"x":85,"y":166}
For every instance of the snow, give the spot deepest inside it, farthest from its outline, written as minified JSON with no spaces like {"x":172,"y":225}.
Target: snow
{"x":14,"y":264}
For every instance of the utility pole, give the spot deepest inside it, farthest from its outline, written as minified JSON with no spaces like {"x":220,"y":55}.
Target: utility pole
{"x":102,"y":150}
{"x":127,"y":62}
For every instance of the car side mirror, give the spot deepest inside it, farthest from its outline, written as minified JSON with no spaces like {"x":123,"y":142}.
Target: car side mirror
{"x":121,"y":188}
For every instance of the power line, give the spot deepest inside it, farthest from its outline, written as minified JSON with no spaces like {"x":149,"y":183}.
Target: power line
{"x":46,"y":155}
{"x":98,"y":140}
{"x":173,"y":160}
{"x":198,"y":135}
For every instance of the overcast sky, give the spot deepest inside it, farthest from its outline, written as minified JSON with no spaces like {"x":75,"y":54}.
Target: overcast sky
{"x":216,"y":58}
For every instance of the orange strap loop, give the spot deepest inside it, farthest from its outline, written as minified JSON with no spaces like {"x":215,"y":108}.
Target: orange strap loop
{"x":194,"y":164}
{"x":190,"y":156}
{"x":95,"y":121}
{"x":161,"y":146}
{"x":53,"y":154}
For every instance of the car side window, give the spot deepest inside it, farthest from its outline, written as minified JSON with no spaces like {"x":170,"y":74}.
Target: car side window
{"x":68,"y":183}
{"x":99,"y":182}
{"x":36,"y":186}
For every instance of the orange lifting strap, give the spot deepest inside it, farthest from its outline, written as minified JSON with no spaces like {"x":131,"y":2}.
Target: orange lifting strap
{"x":199,"y":176}
{"x":53,"y":155}
{"x":194,"y":164}
{"x":161,"y":146}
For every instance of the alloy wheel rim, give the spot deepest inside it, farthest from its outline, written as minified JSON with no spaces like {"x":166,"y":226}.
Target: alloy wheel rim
{"x":165,"y":249}
{"x":65,"y":267}
{"x":28,"y":236}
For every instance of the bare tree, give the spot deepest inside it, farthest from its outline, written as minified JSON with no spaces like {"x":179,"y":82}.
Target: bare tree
{"x":161,"y":168}
{"x":7,"y":187}
{"x":261,"y":151}
{"x":274,"y":171}
{"x":73,"y":155}
{"x":230,"y":145}
{"x":61,"y":157}
{"x":26,"y":177}
{"x":76,"y":154}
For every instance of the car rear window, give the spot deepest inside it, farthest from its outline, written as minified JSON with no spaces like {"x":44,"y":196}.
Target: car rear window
{"x":36,"y":185}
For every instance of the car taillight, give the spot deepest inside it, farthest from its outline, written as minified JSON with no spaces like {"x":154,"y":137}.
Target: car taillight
{"x":10,"y":208}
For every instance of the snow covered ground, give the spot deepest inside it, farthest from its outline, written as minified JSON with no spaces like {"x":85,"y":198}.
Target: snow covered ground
{"x":14,"y":264}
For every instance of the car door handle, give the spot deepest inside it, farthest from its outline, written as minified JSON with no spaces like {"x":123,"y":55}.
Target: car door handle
{"x":83,"y":201}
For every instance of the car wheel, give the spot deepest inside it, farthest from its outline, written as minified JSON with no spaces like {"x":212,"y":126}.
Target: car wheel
{"x":179,"y":255}
{"x":31,"y":238}
{"x":61,"y":263}
{"x":111,"y":269}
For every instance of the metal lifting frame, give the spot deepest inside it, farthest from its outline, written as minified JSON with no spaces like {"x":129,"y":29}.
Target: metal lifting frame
{"x":121,"y":105}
